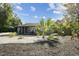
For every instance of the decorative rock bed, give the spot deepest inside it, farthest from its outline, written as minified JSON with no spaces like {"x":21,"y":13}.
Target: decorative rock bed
{"x":68,"y":48}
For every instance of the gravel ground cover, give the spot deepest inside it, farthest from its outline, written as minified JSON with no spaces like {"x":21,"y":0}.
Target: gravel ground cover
{"x":66,"y":47}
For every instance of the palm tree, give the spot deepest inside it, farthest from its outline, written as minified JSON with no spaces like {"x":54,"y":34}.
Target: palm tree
{"x":44,"y":27}
{"x":49,"y":24}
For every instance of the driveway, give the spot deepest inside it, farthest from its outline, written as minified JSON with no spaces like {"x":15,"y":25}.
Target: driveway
{"x":4,"y":38}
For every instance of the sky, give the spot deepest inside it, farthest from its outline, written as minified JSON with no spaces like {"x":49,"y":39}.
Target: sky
{"x":33,"y":12}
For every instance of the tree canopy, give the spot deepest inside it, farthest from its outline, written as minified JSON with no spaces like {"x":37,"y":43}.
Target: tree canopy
{"x":7,"y":17}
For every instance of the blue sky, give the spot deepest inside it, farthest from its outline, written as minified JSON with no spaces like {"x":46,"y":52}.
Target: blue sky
{"x":33,"y":12}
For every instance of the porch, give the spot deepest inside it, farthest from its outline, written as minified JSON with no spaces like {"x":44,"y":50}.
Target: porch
{"x":27,"y":29}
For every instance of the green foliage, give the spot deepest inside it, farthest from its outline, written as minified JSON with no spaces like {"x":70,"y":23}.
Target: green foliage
{"x":73,"y":12}
{"x":5,"y":14}
{"x":63,"y":27}
{"x":52,"y":37}
{"x":44,"y":27}
{"x":15,"y":21}
{"x":50,"y":26}
{"x":7,"y":17}
{"x":12,"y":34}
{"x":41,"y":28}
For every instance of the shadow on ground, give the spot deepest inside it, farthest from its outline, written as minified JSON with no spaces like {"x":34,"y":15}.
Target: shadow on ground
{"x":51,"y":43}
{"x":41,"y":48}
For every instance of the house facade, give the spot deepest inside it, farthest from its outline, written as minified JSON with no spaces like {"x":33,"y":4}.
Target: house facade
{"x":27,"y":29}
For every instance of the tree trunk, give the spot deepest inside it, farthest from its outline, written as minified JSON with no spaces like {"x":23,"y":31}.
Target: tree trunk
{"x":43,"y":35}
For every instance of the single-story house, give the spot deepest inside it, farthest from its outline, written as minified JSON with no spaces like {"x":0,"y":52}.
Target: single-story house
{"x":28,"y":28}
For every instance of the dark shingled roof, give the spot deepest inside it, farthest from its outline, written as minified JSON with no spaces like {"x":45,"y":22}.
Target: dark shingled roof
{"x":29,"y":24}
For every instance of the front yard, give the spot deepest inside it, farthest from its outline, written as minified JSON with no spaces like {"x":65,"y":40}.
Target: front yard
{"x":29,"y":46}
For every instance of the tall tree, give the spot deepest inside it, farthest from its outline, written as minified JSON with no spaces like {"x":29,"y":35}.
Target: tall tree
{"x":73,"y":12}
{"x":41,"y":28}
{"x":7,"y":17}
{"x":5,"y":14}
{"x":15,"y":21}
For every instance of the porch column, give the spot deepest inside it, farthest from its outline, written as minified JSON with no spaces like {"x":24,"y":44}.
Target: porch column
{"x":21,"y":30}
{"x":18,"y":30}
{"x":24,"y":30}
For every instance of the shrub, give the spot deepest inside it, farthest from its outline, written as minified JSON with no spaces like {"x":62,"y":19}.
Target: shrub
{"x":52,"y":37}
{"x":12,"y":34}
